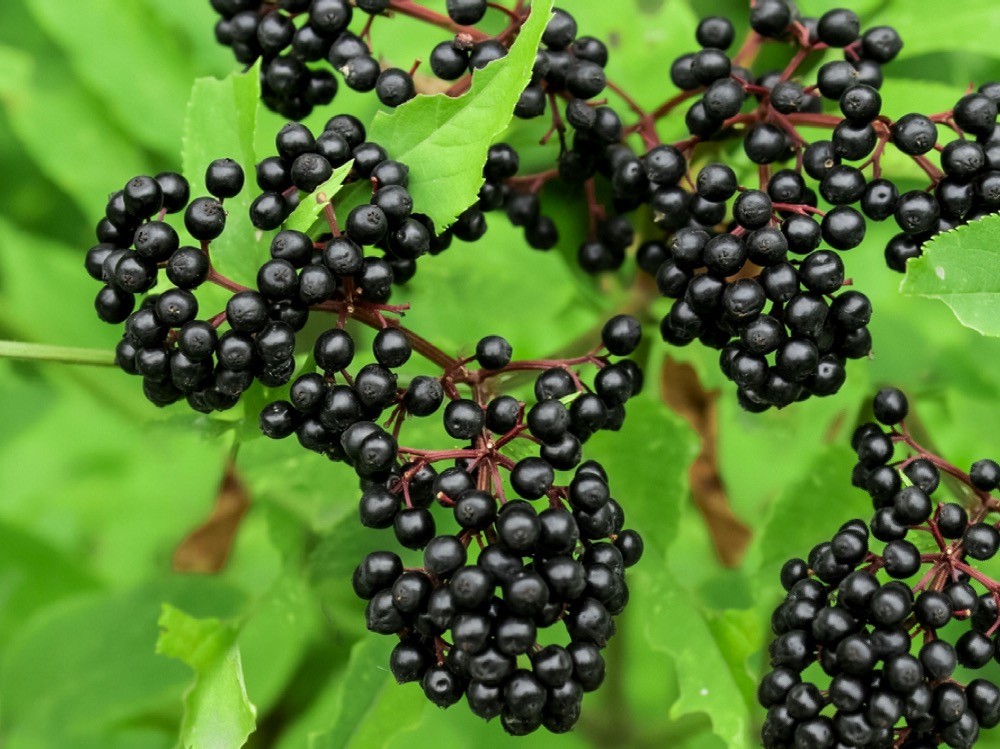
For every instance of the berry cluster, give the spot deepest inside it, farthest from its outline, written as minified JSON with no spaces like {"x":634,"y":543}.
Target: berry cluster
{"x":754,"y":270}
{"x":292,"y":36}
{"x":179,"y":354}
{"x":563,"y":562}
{"x":883,"y":630}
{"x":464,"y":626}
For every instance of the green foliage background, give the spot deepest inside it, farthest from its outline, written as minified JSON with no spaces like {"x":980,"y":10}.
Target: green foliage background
{"x":97,"y":489}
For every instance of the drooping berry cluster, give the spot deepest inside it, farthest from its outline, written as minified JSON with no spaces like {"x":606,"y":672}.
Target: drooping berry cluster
{"x":471,"y":628}
{"x":869,"y":639}
{"x":563,"y":561}
{"x":181,"y":354}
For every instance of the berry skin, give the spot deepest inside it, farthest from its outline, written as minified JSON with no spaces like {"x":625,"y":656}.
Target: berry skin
{"x":532,"y":478}
{"x":891,"y":406}
{"x":621,"y":335}
{"x":716,"y":32}
{"x":224,"y":177}
{"x":175,"y":190}
{"x":309,"y":171}
{"x":175,"y":307}
{"x":493,"y":352}
{"x":424,"y":396}
{"x":463,"y":419}
{"x":448,"y":61}
{"x":143,"y":197}
{"x":466,"y":12}
{"x":366,"y":224}
{"x":838,"y":28}
{"x":561,"y":30}
{"x":770,"y":17}
{"x":268,"y":211}
{"x":205,"y":219}
{"x":985,"y":475}
{"x":914,"y":134}
{"x":391,"y":348}
{"x":394,"y":87}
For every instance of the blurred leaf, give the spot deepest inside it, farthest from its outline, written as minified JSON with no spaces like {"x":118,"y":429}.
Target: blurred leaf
{"x":708,"y":659}
{"x":33,"y":316}
{"x":217,"y":712}
{"x":221,"y":123}
{"x":373,"y":708}
{"x":647,"y":464}
{"x":444,"y":140}
{"x":685,"y":394}
{"x":117,"y":505}
{"x":191,"y":25}
{"x":66,"y":132}
{"x":82,"y":671}
{"x":129,"y":58}
{"x":927,"y":26}
{"x":962,"y":269}
{"x":810,"y":511}
{"x":312,"y":205}
{"x":34,"y":574}
{"x":206,"y":549}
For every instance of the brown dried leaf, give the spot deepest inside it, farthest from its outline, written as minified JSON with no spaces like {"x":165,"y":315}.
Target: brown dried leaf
{"x":681,"y":389}
{"x":206,"y":549}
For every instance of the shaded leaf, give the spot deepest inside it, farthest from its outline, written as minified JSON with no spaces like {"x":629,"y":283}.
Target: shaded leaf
{"x":85,"y":669}
{"x":373,"y":709}
{"x":809,"y":511}
{"x":129,"y":59}
{"x":218,"y":713}
{"x":709,"y":661}
{"x":646,"y":463}
{"x":66,"y":133}
{"x":34,"y":574}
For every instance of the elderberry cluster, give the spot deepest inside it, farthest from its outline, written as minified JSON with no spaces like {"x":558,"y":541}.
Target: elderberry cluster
{"x":471,"y":627}
{"x":292,"y":36}
{"x":181,"y":354}
{"x":968,"y":187}
{"x":290,"y":85}
{"x":870,"y":638}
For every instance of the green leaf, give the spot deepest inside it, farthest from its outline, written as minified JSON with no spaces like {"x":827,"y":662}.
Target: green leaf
{"x":312,"y":205}
{"x":66,"y":132}
{"x":537,"y":307}
{"x":221,"y":123}
{"x":647,"y":464}
{"x":927,"y":26}
{"x":709,"y":660}
{"x":129,"y":59}
{"x":218,"y":713}
{"x":373,"y":709}
{"x":962,"y":269}
{"x":85,"y":668}
{"x":810,"y":511}
{"x":33,"y":574}
{"x":444,"y":140}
